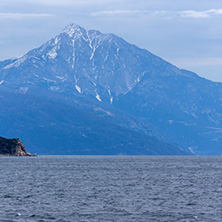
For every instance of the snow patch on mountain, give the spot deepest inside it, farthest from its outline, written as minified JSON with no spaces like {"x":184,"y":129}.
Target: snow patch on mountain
{"x":74,"y":30}
{"x":219,"y":130}
{"x":70,"y":30}
{"x":191,"y":150}
{"x":60,"y":77}
{"x":98,"y":97}
{"x":78,"y":88}
{"x":52,"y":54}
{"x":56,"y":40}
{"x":111,"y":98}
{"x":217,"y":139}
{"x":170,"y":121}
{"x":93,"y":52}
{"x":97,"y":109}
{"x":54,"y":88}
{"x":17,"y":63}
{"x":187,"y":124}
{"x":23,"y":90}
{"x":48,"y":80}
{"x":73,"y":54}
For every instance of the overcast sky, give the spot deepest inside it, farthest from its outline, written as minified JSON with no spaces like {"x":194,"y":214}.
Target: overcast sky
{"x":186,"y":33}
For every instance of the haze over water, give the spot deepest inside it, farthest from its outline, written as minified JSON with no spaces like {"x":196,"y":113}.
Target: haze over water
{"x":89,"y":188}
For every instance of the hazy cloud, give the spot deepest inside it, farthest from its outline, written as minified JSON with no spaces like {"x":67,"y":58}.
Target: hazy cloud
{"x":162,"y":13}
{"x":200,"y":14}
{"x":189,"y":13}
{"x":21,"y":15}
{"x":71,"y":2}
{"x":119,"y":13}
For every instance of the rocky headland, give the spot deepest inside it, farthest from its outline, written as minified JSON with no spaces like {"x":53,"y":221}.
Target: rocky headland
{"x":12,"y":147}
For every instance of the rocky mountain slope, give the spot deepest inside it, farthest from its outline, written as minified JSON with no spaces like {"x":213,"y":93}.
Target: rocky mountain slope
{"x":122,"y":85}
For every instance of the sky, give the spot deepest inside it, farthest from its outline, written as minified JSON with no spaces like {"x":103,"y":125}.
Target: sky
{"x":186,"y":33}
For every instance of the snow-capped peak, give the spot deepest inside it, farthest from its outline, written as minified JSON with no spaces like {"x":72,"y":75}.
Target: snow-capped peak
{"x":73,"y":29}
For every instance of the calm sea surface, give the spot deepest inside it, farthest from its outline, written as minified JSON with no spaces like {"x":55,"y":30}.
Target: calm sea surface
{"x":65,"y":188}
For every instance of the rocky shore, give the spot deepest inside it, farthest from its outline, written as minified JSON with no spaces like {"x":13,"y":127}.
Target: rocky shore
{"x":12,"y":147}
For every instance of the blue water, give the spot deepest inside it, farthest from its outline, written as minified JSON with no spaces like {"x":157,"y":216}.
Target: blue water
{"x":65,"y":188}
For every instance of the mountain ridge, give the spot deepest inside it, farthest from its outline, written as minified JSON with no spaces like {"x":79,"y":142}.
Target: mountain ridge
{"x":141,"y":91}
{"x":50,"y":55}
{"x":58,"y":129}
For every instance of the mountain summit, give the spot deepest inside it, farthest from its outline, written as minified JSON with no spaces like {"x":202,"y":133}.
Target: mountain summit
{"x":119,"y":85}
{"x":85,"y":62}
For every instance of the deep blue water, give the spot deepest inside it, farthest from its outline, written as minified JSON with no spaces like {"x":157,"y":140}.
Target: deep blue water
{"x":65,"y":188}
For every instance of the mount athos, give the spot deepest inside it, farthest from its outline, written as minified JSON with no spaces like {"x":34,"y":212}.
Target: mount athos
{"x":85,"y":92}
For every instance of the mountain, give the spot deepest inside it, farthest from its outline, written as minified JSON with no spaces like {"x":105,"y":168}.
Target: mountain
{"x":55,"y":128}
{"x":81,"y":62}
{"x":117,"y":85}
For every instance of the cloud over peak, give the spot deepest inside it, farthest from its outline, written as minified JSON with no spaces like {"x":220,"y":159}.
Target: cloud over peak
{"x":200,"y":14}
{"x":21,"y":15}
{"x":118,"y":12}
{"x":163,"y":13}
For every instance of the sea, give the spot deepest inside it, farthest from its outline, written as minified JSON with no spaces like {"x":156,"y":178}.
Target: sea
{"x":111,"y":188}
